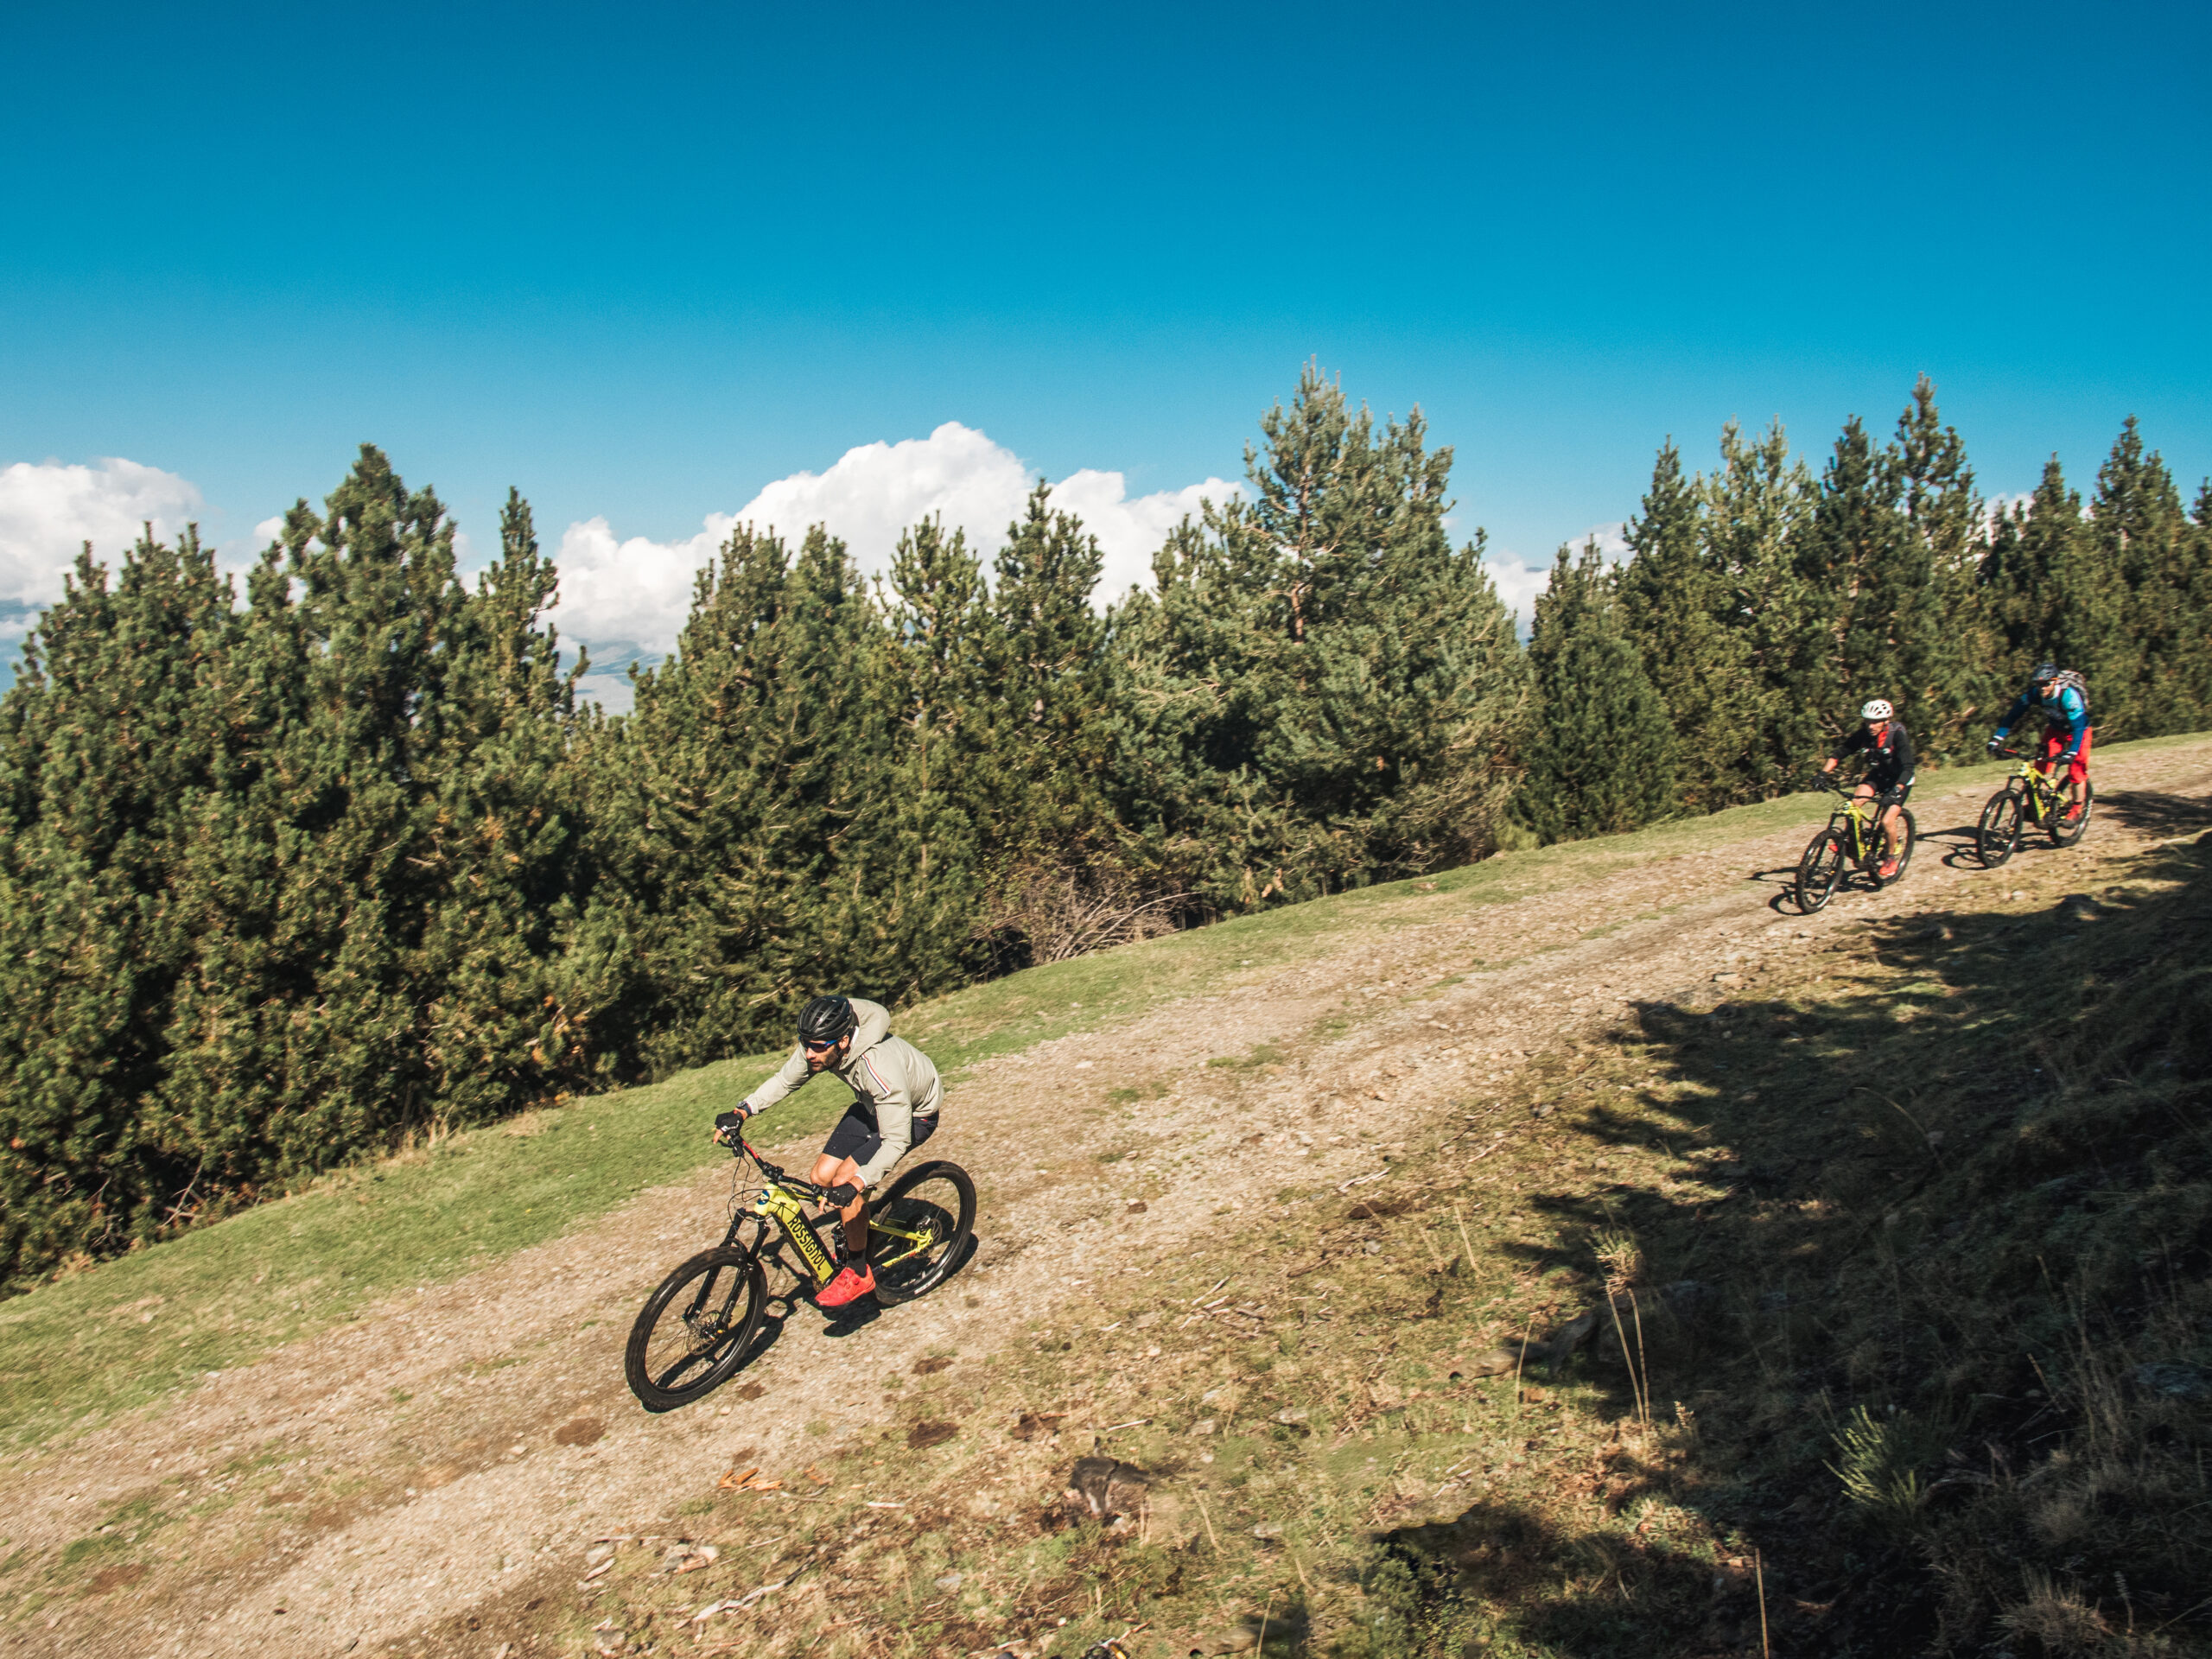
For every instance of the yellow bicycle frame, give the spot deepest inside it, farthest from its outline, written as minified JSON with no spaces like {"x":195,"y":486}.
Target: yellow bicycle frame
{"x":780,"y":1204}
{"x":2044,"y":792}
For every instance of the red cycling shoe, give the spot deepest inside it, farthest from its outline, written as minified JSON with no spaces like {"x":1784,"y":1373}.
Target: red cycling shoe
{"x":1889,"y":869}
{"x":846,"y":1286}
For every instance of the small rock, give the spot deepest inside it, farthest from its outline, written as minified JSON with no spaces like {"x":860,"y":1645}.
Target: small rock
{"x":1291,"y":1414}
{"x":1106,"y":1487}
{"x":597,"y":1553}
{"x":1136,"y":1206}
{"x":1267,"y":1532}
{"x":950,"y":1581}
{"x":1727,"y":979}
{"x":2176,"y":1382}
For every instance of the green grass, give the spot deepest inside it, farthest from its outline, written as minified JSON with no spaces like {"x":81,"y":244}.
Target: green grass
{"x":79,"y":1348}
{"x":84,"y":1347}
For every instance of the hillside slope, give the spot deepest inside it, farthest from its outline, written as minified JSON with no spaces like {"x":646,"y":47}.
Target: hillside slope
{"x":1401,"y":1128}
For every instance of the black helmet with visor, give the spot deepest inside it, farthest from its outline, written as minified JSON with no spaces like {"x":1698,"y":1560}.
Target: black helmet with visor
{"x":825,"y":1019}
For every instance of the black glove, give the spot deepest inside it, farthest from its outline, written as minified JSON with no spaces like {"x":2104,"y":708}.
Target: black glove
{"x":727,"y":1125}
{"x":841,"y":1195}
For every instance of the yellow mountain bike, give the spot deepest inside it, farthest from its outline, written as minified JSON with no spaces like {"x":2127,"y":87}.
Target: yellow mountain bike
{"x":1852,"y":836}
{"x":697,"y":1328}
{"x":2031,"y":797}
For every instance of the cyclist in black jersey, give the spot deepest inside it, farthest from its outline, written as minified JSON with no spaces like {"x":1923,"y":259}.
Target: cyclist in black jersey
{"x":1888,"y":749}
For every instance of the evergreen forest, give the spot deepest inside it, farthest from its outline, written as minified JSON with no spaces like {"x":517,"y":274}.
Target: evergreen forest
{"x":288,"y":874}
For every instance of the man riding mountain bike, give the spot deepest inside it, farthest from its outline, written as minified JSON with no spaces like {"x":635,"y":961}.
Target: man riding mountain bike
{"x":896,"y":1097}
{"x":2062,"y":696}
{"x":1888,"y":748}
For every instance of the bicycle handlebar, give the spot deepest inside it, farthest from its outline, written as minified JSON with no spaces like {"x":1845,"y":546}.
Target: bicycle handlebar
{"x":743,"y":1148}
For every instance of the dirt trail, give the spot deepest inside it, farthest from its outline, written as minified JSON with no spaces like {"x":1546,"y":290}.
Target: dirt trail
{"x":453,"y":1451}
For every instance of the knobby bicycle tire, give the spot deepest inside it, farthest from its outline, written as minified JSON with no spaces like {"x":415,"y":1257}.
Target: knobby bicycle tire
{"x":2063,"y":834}
{"x":704,"y":1339}
{"x":1819,"y":870}
{"x":936,"y":1196}
{"x":1997,"y":837}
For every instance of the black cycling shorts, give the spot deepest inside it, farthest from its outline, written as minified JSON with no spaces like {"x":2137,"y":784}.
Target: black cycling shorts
{"x":856,"y":1137}
{"x":1891,"y":794}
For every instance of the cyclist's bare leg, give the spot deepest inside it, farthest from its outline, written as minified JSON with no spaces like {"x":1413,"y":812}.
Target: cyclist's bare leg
{"x":1893,"y":819}
{"x":834,"y":1172}
{"x":1864,"y":792}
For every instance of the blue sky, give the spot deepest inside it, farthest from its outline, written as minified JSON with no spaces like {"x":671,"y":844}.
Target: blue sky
{"x":644,"y":261}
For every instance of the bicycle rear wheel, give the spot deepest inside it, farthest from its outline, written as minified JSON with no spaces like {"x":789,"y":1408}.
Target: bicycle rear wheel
{"x":1819,"y":870}
{"x":919,"y":1228}
{"x":1997,"y":837}
{"x":2066,"y":832}
{"x":695,"y":1329}
{"x":1906,"y":843}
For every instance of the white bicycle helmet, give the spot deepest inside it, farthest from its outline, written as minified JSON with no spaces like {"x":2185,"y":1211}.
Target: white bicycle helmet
{"x":1877,"y":709}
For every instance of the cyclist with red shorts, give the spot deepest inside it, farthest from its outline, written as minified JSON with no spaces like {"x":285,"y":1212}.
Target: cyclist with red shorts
{"x":2062,"y":696}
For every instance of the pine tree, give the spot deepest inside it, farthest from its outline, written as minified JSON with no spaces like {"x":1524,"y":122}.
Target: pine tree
{"x":2144,"y":543}
{"x":2054,"y":596}
{"x":1940,"y":624}
{"x":303,"y":1034}
{"x":509,"y":1024}
{"x":1673,"y":610}
{"x":936,"y":662}
{"x":733,"y":810}
{"x":1756,"y":507}
{"x":108,"y":743}
{"x":1599,"y":753}
{"x":1053,"y":678}
{"x":1319,"y":660}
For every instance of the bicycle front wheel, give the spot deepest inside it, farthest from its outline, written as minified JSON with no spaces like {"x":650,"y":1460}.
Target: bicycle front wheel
{"x":695,"y":1329}
{"x":1819,"y":870}
{"x":2065,"y":832}
{"x":918,"y":1231}
{"x":1997,"y":837}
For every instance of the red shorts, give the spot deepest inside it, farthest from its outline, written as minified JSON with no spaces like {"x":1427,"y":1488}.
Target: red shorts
{"x":2054,"y":745}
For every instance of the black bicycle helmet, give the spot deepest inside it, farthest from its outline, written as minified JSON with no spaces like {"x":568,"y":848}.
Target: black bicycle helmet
{"x":826,"y":1019}
{"x":2044,"y":674}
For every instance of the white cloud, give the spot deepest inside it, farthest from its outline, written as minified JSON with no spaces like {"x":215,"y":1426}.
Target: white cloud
{"x":47,"y":509}
{"x":636,"y":592}
{"x":1612,"y":539}
{"x":632,"y":593}
{"x":1518,"y":584}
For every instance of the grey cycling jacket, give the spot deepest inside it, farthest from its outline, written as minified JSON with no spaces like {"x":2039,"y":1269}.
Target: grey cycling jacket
{"x":888,"y":1074}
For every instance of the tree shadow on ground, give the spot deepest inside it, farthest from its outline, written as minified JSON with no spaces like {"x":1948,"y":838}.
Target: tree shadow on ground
{"x":2155,"y":814}
{"x":1962,"y":1182}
